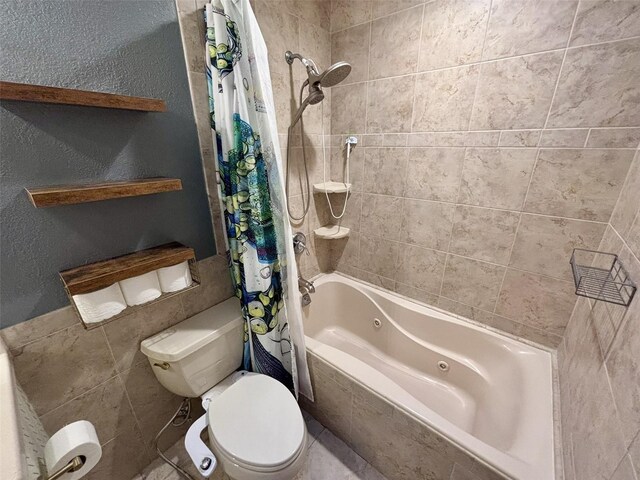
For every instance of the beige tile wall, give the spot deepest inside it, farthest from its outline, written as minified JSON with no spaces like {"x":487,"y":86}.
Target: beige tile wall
{"x":100,"y":375}
{"x":599,"y":363}
{"x":495,"y":136}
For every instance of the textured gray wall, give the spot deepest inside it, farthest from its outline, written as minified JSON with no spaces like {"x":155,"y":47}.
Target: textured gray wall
{"x":130,"y":47}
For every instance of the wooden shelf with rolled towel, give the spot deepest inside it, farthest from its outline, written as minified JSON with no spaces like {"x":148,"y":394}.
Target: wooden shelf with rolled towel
{"x":104,"y":275}
{"x":72,"y":194}
{"x":25,"y":92}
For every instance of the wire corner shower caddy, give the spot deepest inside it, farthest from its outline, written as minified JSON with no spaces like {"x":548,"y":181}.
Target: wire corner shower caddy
{"x":601,"y":276}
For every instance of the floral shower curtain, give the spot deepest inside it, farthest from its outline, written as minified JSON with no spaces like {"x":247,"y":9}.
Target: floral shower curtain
{"x":259,"y":239}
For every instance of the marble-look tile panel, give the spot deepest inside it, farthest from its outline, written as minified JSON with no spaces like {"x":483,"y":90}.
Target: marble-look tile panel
{"x":105,"y":406}
{"x":352,"y":46}
{"x":378,"y":255}
{"x":454,"y":139}
{"x":314,"y":12}
{"x":389,"y":105}
{"x":122,"y":458}
{"x":612,"y":71}
{"x":416,"y":294}
{"x":472,"y":282}
{"x":578,"y":183}
{"x":519,"y":138}
{"x":382,"y":216}
{"x":55,"y":369}
{"x":484,"y":234}
{"x":443,"y":99}
{"x":467,"y":311}
{"x":496,"y":178}
{"x":380,"y":8}
{"x":20,"y":334}
{"x":604,"y":20}
{"x":541,"y":302}
{"x":346,"y":251}
{"x":425,"y":223}
{"x":384,"y":170}
{"x":517,"y":27}
{"x":395,"y":40}
{"x":544,"y":244}
{"x":564,"y":137}
{"x":434,"y":173}
{"x":623,"y":363}
{"x":614,"y":138}
{"x":419,"y":267}
{"x":347,"y":13}
{"x":533,"y":334}
{"x":330,"y":457}
{"x":348,"y":104}
{"x":452,"y":33}
{"x":625,"y":470}
{"x":515,"y":93}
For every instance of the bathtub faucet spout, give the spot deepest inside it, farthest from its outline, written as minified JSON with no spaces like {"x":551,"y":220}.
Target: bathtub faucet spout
{"x":306,"y":285}
{"x":306,"y":289}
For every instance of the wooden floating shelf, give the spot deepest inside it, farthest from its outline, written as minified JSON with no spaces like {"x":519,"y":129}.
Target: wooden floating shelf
{"x":332,"y":232}
{"x":25,"y":92}
{"x":332,"y":187}
{"x":95,"y":276}
{"x":72,"y":194}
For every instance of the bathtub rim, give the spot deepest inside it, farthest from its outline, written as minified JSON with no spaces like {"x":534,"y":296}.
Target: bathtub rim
{"x":558,"y":457}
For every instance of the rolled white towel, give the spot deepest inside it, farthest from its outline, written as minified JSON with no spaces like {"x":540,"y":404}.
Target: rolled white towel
{"x":174,"y":278}
{"x":141,"y":289}
{"x":101,"y":304}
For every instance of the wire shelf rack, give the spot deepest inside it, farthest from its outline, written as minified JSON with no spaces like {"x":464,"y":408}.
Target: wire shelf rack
{"x":601,"y":276}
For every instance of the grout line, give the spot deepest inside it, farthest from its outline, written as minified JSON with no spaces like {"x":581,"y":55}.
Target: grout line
{"x":469,"y":205}
{"x":419,"y":46}
{"x":586,"y":140}
{"x":564,"y":56}
{"x":475,"y":91}
{"x":513,"y":244}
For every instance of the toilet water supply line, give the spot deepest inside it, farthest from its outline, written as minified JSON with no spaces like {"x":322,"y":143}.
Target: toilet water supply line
{"x":184,"y":415}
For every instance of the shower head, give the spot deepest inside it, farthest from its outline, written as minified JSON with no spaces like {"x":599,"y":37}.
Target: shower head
{"x":332,"y":76}
{"x":335,"y":74}
{"x":315,"y":96}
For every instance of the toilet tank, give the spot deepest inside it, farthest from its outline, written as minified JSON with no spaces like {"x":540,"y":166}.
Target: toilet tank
{"x":194,"y":355}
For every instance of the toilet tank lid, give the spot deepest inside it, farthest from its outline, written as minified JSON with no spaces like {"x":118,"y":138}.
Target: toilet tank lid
{"x":184,"y":338}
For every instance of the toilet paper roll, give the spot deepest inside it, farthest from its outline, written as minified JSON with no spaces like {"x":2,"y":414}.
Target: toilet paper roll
{"x":101,"y":304}
{"x":76,"y":439}
{"x":175,"y":277}
{"x":141,"y":289}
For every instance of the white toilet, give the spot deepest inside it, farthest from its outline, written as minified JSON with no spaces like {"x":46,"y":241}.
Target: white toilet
{"x":256,"y":429}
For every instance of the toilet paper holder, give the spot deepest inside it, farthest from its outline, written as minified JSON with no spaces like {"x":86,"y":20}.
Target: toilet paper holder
{"x":75,"y":464}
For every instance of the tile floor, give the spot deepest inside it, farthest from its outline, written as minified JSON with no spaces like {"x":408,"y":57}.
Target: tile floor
{"x":328,"y":458}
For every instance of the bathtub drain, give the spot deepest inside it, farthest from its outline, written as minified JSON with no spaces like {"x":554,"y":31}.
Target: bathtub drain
{"x":443,"y":366}
{"x":377,"y":323}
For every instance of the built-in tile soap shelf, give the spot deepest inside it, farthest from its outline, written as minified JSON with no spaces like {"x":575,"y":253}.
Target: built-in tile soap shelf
{"x":601,"y":276}
{"x":332,"y":232}
{"x":331,"y":187}
{"x":106,"y":274}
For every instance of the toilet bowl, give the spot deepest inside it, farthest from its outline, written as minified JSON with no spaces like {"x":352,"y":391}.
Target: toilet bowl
{"x":255,"y":427}
{"x":256,"y":430}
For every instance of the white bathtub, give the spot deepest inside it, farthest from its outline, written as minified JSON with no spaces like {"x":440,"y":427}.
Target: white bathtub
{"x":495,"y":399}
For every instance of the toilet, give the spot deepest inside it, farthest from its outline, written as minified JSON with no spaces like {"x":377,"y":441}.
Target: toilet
{"x":256,"y":430}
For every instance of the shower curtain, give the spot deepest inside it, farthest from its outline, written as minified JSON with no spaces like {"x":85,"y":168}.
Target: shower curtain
{"x":249,"y":164}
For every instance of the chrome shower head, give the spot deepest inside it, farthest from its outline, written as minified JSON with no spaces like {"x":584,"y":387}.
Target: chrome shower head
{"x":332,"y":76}
{"x":335,"y":74}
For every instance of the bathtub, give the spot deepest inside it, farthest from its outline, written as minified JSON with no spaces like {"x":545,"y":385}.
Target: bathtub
{"x":483,"y":398}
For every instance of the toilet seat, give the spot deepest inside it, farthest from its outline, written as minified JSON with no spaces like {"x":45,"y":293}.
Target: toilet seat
{"x":257,"y":424}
